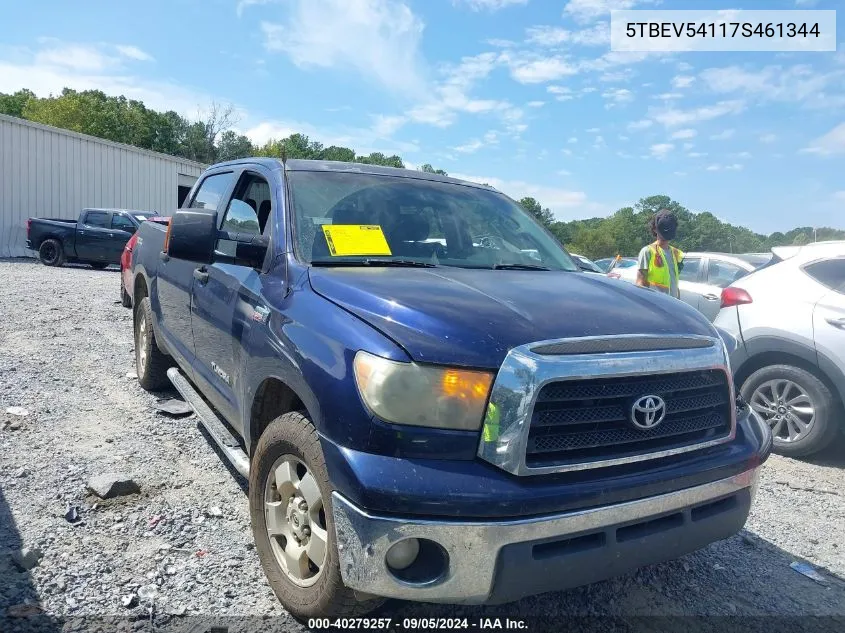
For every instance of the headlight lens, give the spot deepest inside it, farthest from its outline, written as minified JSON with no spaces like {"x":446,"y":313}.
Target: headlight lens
{"x":419,"y":395}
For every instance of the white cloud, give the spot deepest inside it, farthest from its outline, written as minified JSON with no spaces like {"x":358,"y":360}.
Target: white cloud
{"x":660,"y":150}
{"x":378,"y":39}
{"x":642,"y":124}
{"x":535,"y":70}
{"x":133,"y":52}
{"x":680,"y":173}
{"x":597,"y":35}
{"x":76,"y":57}
{"x":768,"y":138}
{"x":668,"y":96}
{"x":620,"y":95}
{"x":673,"y":117}
{"x":587,"y":10}
{"x":688,"y":146}
{"x":386,"y":126}
{"x":560,"y":201}
{"x":724,"y":135}
{"x":839,"y":196}
{"x":829,"y":144}
{"x":718,"y":167}
{"x":470,"y":147}
{"x":564,"y":172}
{"x":697,"y":154}
{"x":685,"y":133}
{"x":561,"y":93}
{"x":489,"y":5}
{"x":244,"y":4}
{"x":800,"y":83}
{"x":572,"y":140}
{"x":682,"y":81}
{"x":535,"y":104}
{"x":593,"y":130}
{"x":684,"y":67}
{"x":624,"y":138}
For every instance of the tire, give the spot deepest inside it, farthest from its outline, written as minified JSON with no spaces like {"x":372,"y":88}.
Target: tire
{"x":98,"y":265}
{"x":292,"y":435}
{"x":819,"y":430}
{"x":125,"y":299}
{"x":151,"y":363}
{"x":51,"y":253}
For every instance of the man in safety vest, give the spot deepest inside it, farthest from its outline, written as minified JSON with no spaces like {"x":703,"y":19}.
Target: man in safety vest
{"x":659,"y":263}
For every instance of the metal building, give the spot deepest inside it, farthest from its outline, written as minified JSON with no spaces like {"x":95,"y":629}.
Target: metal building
{"x":48,"y":172}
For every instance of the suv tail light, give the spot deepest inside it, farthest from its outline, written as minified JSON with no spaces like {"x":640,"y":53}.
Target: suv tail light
{"x":734,"y":297}
{"x":28,"y":223}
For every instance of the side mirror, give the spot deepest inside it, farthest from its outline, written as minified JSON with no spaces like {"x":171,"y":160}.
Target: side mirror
{"x":192,"y":235}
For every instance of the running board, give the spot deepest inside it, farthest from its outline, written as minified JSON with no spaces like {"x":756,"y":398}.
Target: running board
{"x":214,"y":425}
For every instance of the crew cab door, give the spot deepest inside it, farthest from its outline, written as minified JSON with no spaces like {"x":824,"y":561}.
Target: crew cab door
{"x":829,"y":312}
{"x":122,"y":228}
{"x":93,"y":235}
{"x":175,"y":277}
{"x":226,"y":296}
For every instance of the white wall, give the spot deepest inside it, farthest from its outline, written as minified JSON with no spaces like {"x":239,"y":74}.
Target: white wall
{"x":51,"y":173}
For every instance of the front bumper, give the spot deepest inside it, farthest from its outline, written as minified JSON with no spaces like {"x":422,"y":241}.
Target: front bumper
{"x":501,"y":561}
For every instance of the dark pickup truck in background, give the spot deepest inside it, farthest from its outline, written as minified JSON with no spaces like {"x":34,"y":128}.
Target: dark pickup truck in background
{"x":97,"y":238}
{"x":424,"y":416}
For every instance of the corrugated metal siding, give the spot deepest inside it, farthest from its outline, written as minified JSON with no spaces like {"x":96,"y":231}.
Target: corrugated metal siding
{"x":47,"y":172}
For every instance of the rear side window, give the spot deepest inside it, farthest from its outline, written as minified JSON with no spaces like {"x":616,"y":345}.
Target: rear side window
{"x":121,"y":223}
{"x":97,"y":218}
{"x":691,"y":267}
{"x":829,"y":273}
{"x":211,"y":191}
{"x":723,"y":274}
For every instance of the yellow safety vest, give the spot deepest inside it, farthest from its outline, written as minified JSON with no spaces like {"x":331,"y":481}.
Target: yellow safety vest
{"x":658,"y":271}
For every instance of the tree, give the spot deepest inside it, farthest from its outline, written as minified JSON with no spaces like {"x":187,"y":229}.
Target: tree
{"x":14,"y":104}
{"x":427,"y":168}
{"x":801,"y":239}
{"x":543,"y":216}
{"x":233,"y":145}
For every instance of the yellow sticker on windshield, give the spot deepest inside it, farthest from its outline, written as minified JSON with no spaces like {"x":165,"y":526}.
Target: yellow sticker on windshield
{"x":355,"y":239}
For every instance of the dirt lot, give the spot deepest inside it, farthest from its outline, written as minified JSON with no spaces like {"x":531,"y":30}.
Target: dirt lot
{"x":184,"y":544}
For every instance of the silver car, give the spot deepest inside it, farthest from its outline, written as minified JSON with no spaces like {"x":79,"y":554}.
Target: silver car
{"x":789,"y":322}
{"x":704,"y":275}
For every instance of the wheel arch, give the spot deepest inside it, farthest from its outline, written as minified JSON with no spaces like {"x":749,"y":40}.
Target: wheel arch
{"x":777,"y":351}
{"x":273,"y":397}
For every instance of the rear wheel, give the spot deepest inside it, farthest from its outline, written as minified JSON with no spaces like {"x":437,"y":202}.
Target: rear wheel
{"x":799,"y":408}
{"x":51,"y":253}
{"x":151,"y":363}
{"x":291,"y":515}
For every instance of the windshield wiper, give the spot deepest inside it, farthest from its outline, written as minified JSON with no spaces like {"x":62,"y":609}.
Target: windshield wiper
{"x":519,"y":267}
{"x":398,"y":263}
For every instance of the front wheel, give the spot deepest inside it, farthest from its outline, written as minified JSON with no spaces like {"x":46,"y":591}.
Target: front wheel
{"x":51,"y":253}
{"x":799,"y":408}
{"x":291,"y":515}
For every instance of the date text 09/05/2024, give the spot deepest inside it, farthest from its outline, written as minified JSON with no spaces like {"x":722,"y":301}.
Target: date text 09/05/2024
{"x":721,"y":29}
{"x":410,"y":624}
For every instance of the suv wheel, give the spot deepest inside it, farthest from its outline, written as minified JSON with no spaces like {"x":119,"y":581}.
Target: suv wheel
{"x":291,"y":515}
{"x":798,"y":407}
{"x":151,"y":364}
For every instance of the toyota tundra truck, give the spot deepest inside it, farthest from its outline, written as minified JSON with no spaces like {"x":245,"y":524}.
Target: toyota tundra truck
{"x":427,"y":415}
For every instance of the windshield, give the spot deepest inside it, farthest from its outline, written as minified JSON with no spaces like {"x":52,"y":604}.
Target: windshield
{"x":351,"y":218}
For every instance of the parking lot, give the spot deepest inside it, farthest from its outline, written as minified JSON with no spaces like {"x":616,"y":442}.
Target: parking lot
{"x":184,"y":543}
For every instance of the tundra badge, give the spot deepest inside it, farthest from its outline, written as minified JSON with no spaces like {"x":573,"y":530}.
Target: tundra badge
{"x":220,"y":372}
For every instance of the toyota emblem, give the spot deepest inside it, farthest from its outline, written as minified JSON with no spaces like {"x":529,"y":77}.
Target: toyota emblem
{"x":648,"y":412}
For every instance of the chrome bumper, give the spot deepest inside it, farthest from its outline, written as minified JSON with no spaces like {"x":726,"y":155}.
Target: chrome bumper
{"x":474,"y":547}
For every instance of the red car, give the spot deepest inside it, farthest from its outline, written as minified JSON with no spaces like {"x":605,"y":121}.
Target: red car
{"x":126,"y":263}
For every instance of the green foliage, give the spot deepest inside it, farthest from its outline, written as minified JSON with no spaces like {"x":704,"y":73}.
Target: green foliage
{"x":14,"y":104}
{"x":543,"y":216}
{"x":627,"y":231}
{"x":431,"y":170}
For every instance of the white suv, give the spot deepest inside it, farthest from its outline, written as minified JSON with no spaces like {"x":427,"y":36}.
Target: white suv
{"x":789,"y":321}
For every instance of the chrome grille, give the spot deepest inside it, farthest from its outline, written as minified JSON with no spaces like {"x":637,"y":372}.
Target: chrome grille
{"x":574,"y":421}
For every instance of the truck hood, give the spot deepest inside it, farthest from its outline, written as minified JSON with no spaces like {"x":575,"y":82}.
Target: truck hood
{"x":472,"y":318}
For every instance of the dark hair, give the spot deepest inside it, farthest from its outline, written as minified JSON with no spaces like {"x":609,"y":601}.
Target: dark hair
{"x":662,"y":216}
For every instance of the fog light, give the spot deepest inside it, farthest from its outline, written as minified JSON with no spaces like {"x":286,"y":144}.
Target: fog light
{"x":402,"y":554}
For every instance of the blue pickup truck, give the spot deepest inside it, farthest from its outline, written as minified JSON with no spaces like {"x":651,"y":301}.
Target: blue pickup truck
{"x":426,"y":415}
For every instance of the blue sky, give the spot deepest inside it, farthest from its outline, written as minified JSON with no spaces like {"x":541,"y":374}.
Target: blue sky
{"x":523,"y":94}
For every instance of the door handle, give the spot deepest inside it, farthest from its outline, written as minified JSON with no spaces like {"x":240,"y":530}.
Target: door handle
{"x":710,"y":297}
{"x":840,"y":323}
{"x":200,"y":274}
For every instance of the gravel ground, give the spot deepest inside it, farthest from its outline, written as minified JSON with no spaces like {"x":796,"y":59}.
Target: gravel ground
{"x":183,"y":544}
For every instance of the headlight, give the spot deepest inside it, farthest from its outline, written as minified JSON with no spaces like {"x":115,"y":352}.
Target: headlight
{"x":419,"y":395}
